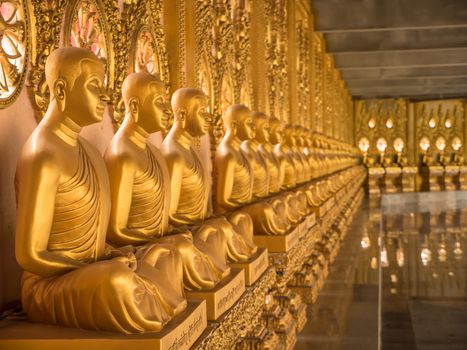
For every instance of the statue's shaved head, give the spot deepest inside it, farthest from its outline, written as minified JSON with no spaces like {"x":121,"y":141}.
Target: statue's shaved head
{"x":67,"y":63}
{"x":233,"y":113}
{"x":259,"y":118}
{"x":183,"y":99}
{"x":139,"y":85}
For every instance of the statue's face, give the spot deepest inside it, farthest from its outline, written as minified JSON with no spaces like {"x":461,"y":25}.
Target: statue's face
{"x":154,"y":109}
{"x":263,"y":131}
{"x":276,"y":133}
{"x":246,"y":123}
{"x":200,"y":116}
{"x":85,"y":100}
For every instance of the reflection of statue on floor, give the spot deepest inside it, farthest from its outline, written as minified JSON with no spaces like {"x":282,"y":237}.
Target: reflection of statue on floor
{"x":70,"y":277}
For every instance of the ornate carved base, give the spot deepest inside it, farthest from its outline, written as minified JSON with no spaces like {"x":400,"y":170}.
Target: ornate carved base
{"x":392,"y":179}
{"x":278,"y":244}
{"x":433,"y":177}
{"x":463,"y":177}
{"x":408,"y":179}
{"x":242,"y":320}
{"x":451,"y":176}
{"x":180,"y":333}
{"x":374,"y":178}
{"x":254,"y":267}
{"x":223,"y":296}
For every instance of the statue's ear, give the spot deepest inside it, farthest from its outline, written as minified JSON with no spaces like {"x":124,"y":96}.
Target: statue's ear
{"x":181,"y":116}
{"x":133,"y":105}
{"x":233,"y":127}
{"x":59,"y":93}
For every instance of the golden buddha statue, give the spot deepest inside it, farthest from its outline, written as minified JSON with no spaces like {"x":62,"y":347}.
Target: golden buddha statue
{"x":290,"y":148}
{"x":236,"y":168}
{"x":232,"y":171}
{"x":281,"y":152}
{"x":264,"y":148}
{"x":70,"y":278}
{"x":309,"y":151}
{"x":140,"y":191}
{"x":299,"y":150}
{"x":257,"y":163}
{"x":190,"y":182}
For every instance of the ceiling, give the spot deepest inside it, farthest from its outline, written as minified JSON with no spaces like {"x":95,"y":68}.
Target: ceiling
{"x":397,"y":48}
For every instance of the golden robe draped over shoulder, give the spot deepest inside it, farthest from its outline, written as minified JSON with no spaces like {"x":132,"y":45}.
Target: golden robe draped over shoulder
{"x":104,"y":295}
{"x":192,"y":204}
{"x":148,"y":202}
{"x":242,"y":182}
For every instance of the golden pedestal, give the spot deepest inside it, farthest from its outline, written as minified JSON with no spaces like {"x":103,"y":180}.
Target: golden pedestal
{"x":239,"y":323}
{"x":435,"y":178}
{"x":392,"y":178}
{"x":451,"y":176}
{"x":223,"y":296}
{"x":254,"y":267}
{"x":463,"y":177}
{"x":409,"y":174}
{"x":278,"y":244}
{"x":374,"y":177}
{"x":180,"y":333}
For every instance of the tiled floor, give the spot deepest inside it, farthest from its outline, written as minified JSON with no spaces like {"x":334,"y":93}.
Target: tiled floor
{"x":416,"y":245}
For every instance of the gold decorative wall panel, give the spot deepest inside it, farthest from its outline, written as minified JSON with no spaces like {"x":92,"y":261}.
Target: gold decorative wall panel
{"x":13,"y":49}
{"x":318,"y":66}
{"x":376,"y":119}
{"x":439,"y":121}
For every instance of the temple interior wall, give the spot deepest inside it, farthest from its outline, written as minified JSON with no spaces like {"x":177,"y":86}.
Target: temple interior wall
{"x":263,"y":53}
{"x":439,"y":124}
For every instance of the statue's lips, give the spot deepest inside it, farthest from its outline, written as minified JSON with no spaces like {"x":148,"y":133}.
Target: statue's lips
{"x":100,"y":109}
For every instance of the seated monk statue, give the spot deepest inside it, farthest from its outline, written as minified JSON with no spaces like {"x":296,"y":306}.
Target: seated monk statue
{"x":299,"y":149}
{"x":281,"y":152}
{"x":190,"y":182}
{"x":262,"y":137}
{"x":401,"y":160}
{"x":458,"y":159}
{"x":267,"y":131}
{"x":140,"y":190}
{"x":428,"y":160}
{"x":387,"y":160}
{"x":234,"y":171}
{"x":309,"y":151}
{"x":445,"y":159}
{"x":70,"y":277}
{"x":289,"y":148}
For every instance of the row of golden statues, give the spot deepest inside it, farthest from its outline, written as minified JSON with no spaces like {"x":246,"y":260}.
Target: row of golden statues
{"x":118,"y":243}
{"x":434,"y":171}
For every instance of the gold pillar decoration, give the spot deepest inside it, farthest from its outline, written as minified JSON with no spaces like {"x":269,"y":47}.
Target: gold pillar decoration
{"x":214,"y":36}
{"x":241,"y":64}
{"x":318,"y":88}
{"x":386,"y":118}
{"x":303,"y":62}
{"x":276,"y":58}
{"x":439,"y":119}
{"x":327,"y":96}
{"x":13,"y":49}
{"x":41,"y":46}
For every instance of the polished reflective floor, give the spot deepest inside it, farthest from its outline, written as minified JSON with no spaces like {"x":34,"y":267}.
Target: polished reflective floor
{"x":399,"y":281}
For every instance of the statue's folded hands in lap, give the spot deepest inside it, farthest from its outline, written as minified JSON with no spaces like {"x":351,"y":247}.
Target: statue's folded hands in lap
{"x":63,"y":208}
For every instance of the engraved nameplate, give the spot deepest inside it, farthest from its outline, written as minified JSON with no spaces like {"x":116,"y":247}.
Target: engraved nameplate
{"x":223,"y":296}
{"x":255,"y":266}
{"x":278,"y":244}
